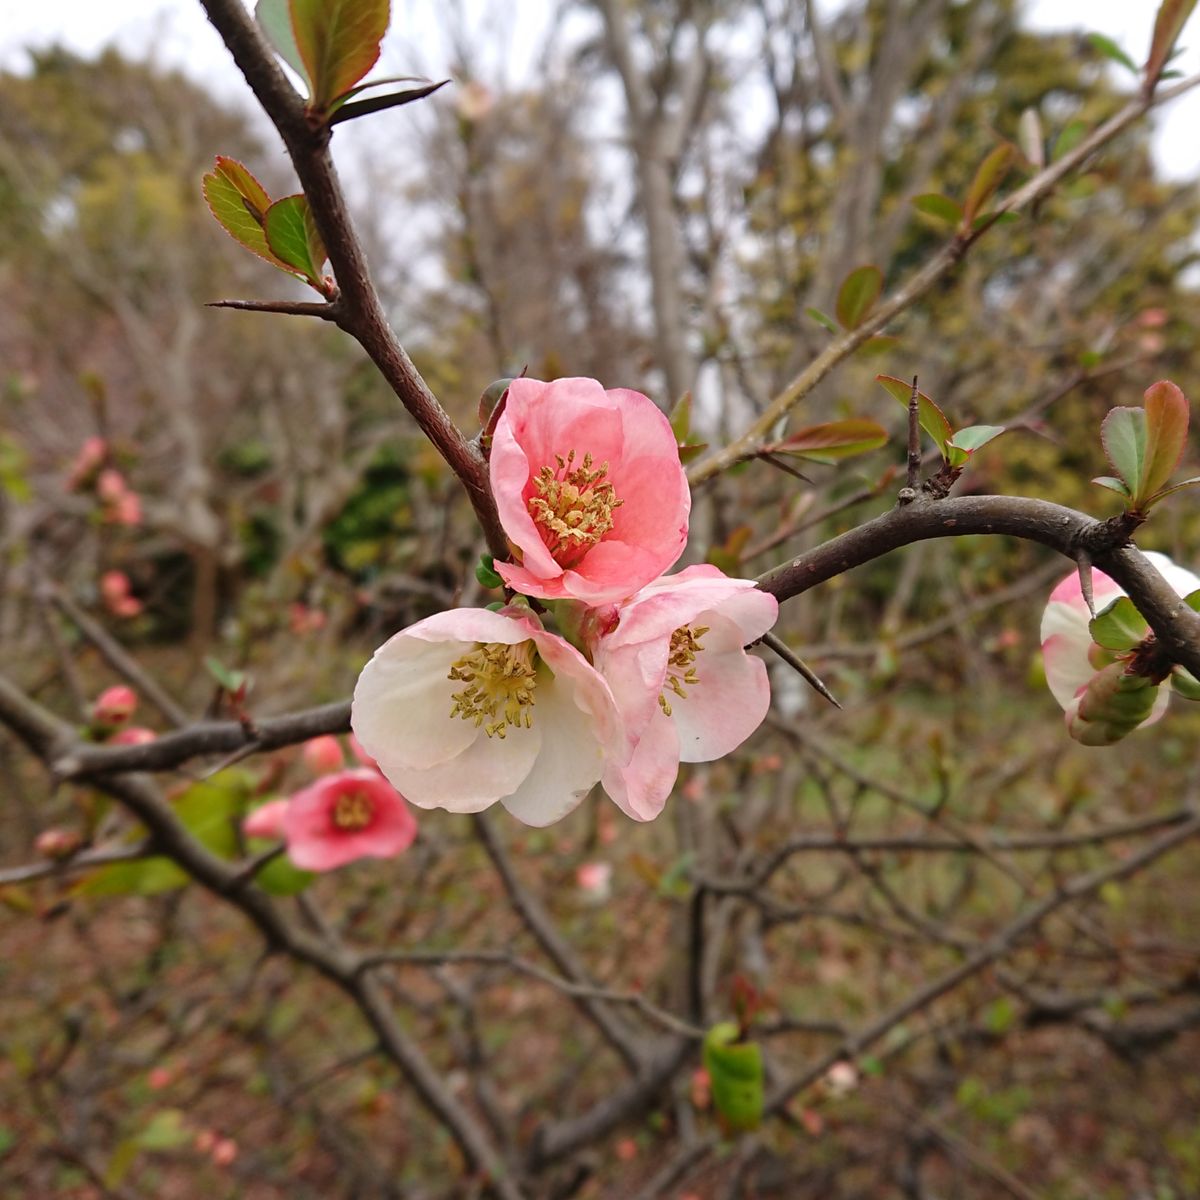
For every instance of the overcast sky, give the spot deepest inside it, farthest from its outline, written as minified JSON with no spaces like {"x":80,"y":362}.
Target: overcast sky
{"x":416,"y":45}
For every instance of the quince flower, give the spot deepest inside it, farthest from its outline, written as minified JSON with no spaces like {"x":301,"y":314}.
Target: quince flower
{"x":336,"y":820}
{"x":684,"y":685}
{"x":469,"y":707}
{"x":1071,"y":658}
{"x":589,"y":488}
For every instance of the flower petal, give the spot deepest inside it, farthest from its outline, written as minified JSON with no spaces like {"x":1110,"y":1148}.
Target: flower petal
{"x":640,"y":788}
{"x":724,"y":708}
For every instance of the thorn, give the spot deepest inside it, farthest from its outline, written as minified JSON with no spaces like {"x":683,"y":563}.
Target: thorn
{"x":797,"y":664}
{"x":1084,"y":564}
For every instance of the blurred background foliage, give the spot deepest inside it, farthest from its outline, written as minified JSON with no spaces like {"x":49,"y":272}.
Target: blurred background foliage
{"x":291,"y":518}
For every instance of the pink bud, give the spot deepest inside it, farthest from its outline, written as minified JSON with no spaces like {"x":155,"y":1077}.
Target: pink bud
{"x":205,"y":1140}
{"x":57,"y":843}
{"x":266,"y":821}
{"x":323,"y":755}
{"x":127,"y":510}
{"x":595,"y":880}
{"x":627,"y":1149}
{"x":91,"y":455}
{"x":110,"y":487}
{"x":115,"y":705}
{"x":135,"y":735}
{"x":159,"y":1078}
{"x":224,"y":1152}
{"x":116,"y":594}
{"x":1153,"y":318}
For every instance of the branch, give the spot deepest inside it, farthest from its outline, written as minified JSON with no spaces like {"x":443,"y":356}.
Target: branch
{"x":324,"y":310}
{"x":360,"y":312}
{"x":1069,"y":532}
{"x":944,"y":260}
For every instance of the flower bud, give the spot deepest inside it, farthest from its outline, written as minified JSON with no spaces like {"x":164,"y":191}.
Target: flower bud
{"x":114,"y":705}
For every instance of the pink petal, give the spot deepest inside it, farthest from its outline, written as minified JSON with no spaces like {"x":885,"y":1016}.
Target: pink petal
{"x":724,"y":708}
{"x":640,"y":788}
{"x":266,"y":821}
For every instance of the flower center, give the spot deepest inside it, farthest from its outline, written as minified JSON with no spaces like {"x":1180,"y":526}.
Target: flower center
{"x":681,"y":674}
{"x":501,"y":680}
{"x":352,"y":811}
{"x":573,"y":507}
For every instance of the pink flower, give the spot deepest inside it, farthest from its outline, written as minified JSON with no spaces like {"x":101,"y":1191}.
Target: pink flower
{"x":1070,"y":656}
{"x":135,"y":735}
{"x":589,"y":489}
{"x":471,"y":706}
{"x":117,"y":595}
{"x":121,"y":504}
{"x":87,"y":462}
{"x":323,"y":754}
{"x":57,"y":842}
{"x":684,"y":685}
{"x":266,"y":821}
{"x":111,"y":485}
{"x":115,"y":705}
{"x":595,"y":880}
{"x":127,"y":510}
{"x":343,"y":817}
{"x":159,"y":1078}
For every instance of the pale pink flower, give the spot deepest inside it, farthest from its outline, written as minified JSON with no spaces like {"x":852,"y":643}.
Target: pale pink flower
{"x":117,"y":595}
{"x":115,"y":705}
{"x":474,"y":101}
{"x":595,"y":880}
{"x":323,"y":754}
{"x":122,"y":506}
{"x":1069,"y":654}
{"x":135,"y":735}
{"x":469,"y":707}
{"x":589,"y":488}
{"x":841,"y":1079}
{"x":266,"y":821}
{"x":57,"y":842}
{"x":87,"y":462}
{"x":342,"y":817}
{"x":685,"y":687}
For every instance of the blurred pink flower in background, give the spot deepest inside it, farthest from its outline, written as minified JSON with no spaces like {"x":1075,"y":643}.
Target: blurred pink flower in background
{"x":57,"y":842}
{"x":470,"y":707}
{"x":122,"y":506}
{"x":115,"y":705}
{"x":117,"y":595}
{"x":323,"y":754}
{"x":135,"y":735}
{"x":266,"y":821}
{"x":350,"y":815}
{"x":595,"y":880}
{"x":590,"y":490}
{"x":684,"y":685}
{"x":88,"y":461}
{"x":302,"y":619}
{"x":474,"y":101}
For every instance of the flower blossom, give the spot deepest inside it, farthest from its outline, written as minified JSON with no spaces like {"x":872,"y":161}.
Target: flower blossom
{"x":469,"y":707}
{"x":117,"y":595}
{"x":88,"y":461}
{"x":1071,"y":658}
{"x":336,"y":820}
{"x":115,"y":705}
{"x":589,"y":488}
{"x":134,"y":735}
{"x":594,"y":880}
{"x":683,"y":683}
{"x":122,"y":505}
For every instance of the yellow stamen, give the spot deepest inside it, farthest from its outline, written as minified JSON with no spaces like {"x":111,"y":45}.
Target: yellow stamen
{"x":573,"y":508}
{"x":352,"y":811}
{"x":501,"y":680}
{"x":685,"y":645}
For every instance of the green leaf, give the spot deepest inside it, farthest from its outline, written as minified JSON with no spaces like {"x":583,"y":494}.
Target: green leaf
{"x":1123,"y":434}
{"x":833,"y":441}
{"x":973,"y":436}
{"x":1175,"y":487}
{"x":879,"y":343}
{"x":1185,"y":684}
{"x":229,"y":679}
{"x":1000,"y":1015}
{"x":942,"y":208}
{"x":857,"y":295}
{"x":1168,"y":24}
{"x":340,"y":110}
{"x":281,"y":877}
{"x":338,"y":41}
{"x":1072,"y":134}
{"x":1166,"y":435}
{"x":1119,"y":626}
{"x":292,"y":236}
{"x":681,"y":418}
{"x":14,"y":470}
{"x":239,"y":203}
{"x":1112,"y":706}
{"x":485,"y":572}
{"x":275,"y":19}
{"x":821,"y":319}
{"x":988,"y":178}
{"x":1192,"y":600}
{"x":165,"y":1131}
{"x":1109,"y":49}
{"x":1113,"y":484}
{"x":736,"y":1071}
{"x":933,"y":420}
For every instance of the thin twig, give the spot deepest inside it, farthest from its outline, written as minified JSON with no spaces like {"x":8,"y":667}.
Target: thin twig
{"x":798,"y":665}
{"x":322,"y":310}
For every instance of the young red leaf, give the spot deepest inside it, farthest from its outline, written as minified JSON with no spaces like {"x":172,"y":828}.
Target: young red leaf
{"x":988,"y":178}
{"x":275,"y":19}
{"x":1168,"y":24}
{"x":857,"y":295}
{"x":933,"y":420}
{"x":1169,"y":491}
{"x":1123,"y":433}
{"x":833,"y":440}
{"x":338,"y":41}
{"x":240,"y":203}
{"x":1166,"y":435}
